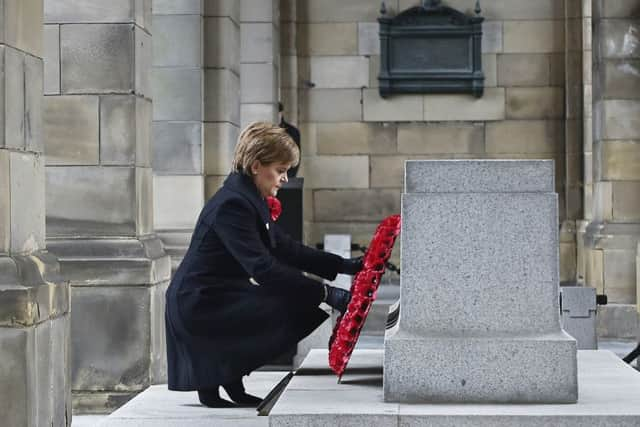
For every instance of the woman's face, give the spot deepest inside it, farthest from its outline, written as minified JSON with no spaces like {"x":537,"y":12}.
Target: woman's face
{"x":270,"y":177}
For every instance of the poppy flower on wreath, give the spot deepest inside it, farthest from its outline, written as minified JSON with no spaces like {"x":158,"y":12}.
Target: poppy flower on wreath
{"x":275,"y":207}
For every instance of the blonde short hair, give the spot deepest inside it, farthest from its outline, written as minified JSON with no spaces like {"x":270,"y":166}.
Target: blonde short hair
{"x":266,"y":143}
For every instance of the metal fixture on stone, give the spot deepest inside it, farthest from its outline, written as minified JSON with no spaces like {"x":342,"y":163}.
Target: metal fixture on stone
{"x":431,"y":48}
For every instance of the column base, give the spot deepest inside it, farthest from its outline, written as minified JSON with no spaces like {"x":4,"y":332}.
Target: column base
{"x":117,"y":295}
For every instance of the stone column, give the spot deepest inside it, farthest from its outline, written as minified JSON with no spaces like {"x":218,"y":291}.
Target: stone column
{"x":259,"y":60}
{"x":177,"y":80}
{"x":222,"y":89}
{"x":34,"y":300}
{"x":99,"y":198}
{"x":612,"y":236}
{"x":479,"y":287}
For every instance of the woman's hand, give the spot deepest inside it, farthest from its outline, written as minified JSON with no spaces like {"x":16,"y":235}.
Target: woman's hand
{"x":337,"y":298}
{"x":351,"y":265}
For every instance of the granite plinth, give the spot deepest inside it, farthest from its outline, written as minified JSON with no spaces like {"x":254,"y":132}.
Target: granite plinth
{"x":609,"y":393}
{"x":492,"y":368}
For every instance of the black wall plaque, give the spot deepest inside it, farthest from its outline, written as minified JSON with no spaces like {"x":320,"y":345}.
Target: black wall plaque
{"x":431,"y":49}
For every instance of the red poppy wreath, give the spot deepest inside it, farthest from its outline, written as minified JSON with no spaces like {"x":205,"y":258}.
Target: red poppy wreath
{"x":363,"y":290}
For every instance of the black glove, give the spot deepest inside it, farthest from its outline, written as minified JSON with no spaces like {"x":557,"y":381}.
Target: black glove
{"x":337,"y":298}
{"x":351,"y":265}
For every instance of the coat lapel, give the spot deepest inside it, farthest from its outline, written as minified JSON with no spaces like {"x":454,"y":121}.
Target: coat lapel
{"x":244,"y":185}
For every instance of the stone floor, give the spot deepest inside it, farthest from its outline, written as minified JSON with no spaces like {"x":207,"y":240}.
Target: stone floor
{"x":159,"y":407}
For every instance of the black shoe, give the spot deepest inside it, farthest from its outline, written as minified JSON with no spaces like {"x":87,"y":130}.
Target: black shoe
{"x":212,"y":399}
{"x":236,"y":392}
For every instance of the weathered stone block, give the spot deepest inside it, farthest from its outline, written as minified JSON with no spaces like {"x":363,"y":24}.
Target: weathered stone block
{"x":144,"y":111}
{"x":387,"y":171}
{"x":257,"y":42}
{"x":18,"y":379}
{"x":27,"y":202}
{"x":337,"y":11}
{"x":464,"y":107}
{"x":533,"y":36}
{"x":258,"y":83}
{"x":492,"y":37}
{"x":68,"y":11}
{"x":230,"y":8}
{"x":142,"y":14}
{"x":336,"y":72}
{"x":603,"y":198}
{"x":400,"y":108}
{"x":221,"y":96}
{"x":557,"y":68}
{"x":177,"y":148}
{"x":177,"y":94}
{"x":328,"y":39}
{"x":567,"y":262}
{"x":142,"y":62}
{"x":620,"y":79}
{"x":177,"y":201}
{"x":115,"y":320}
{"x":355,"y":138}
{"x":330,"y":105}
{"x":258,"y":112}
{"x":5,"y":202}
{"x":620,"y":160}
{"x":368,"y":38}
{"x":355,"y":205}
{"x":620,"y":9}
{"x":212,"y":184}
{"x":220,"y":142}
{"x":288,"y":39}
{"x":440,"y":139}
{"x":157,"y":344}
{"x":535,"y":103}
{"x":71,"y":130}
{"x":479,"y":176}
{"x":617,"y":119}
{"x":97,"y":58}
{"x":523,"y":70}
{"x":618,"y":321}
{"x":530,"y":136}
{"x":97,"y":201}
{"x":22,"y":25}
{"x":177,"y":41}
{"x":626,"y":201}
{"x":33,"y":90}
{"x":144,"y":201}
{"x":616,"y":39}
{"x":336,"y":171}
{"x":117,"y":130}
{"x":620,"y":276}
{"x":182,"y":7}
{"x":490,"y":69}
{"x":14,"y":94}
{"x":257,"y":11}
{"x":51,"y":59}
{"x":222,"y":43}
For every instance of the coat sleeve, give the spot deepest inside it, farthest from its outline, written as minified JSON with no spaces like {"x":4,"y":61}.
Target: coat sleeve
{"x":320,"y":263}
{"x":235,"y":224}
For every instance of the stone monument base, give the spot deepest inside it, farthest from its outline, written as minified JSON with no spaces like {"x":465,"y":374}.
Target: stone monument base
{"x":609,"y":395}
{"x":538,"y":368}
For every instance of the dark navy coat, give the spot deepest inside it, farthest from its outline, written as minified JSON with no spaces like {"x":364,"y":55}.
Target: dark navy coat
{"x":220,"y":325}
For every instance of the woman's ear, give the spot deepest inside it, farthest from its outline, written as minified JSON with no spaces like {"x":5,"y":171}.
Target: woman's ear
{"x":255,"y":166}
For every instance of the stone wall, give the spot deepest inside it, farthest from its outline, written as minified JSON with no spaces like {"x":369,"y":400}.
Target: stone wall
{"x":355,"y":142}
{"x":612,"y":236}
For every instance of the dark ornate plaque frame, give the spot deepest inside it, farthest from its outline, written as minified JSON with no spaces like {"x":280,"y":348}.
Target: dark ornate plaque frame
{"x":431,"y":49}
